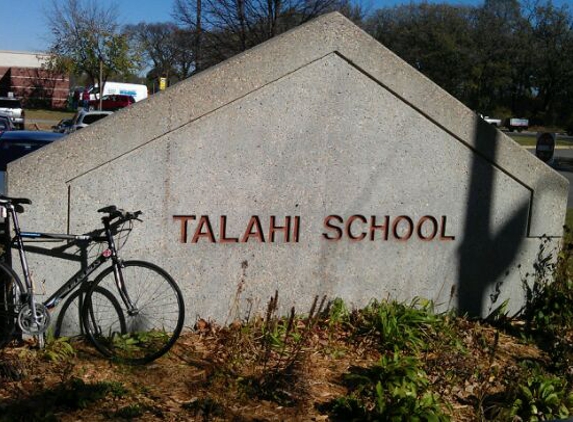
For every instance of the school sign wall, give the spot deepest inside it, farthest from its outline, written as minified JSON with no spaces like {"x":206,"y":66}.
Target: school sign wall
{"x":318,"y":163}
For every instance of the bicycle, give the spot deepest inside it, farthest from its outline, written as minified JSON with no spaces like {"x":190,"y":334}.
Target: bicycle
{"x":132,"y":311}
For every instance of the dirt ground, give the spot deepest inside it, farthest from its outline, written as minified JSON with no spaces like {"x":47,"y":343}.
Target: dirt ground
{"x":210,"y":375}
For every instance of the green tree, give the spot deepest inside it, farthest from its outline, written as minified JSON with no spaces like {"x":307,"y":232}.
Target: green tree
{"x":552,"y":54}
{"x":86,"y":41}
{"x":433,"y":38}
{"x":498,"y":31}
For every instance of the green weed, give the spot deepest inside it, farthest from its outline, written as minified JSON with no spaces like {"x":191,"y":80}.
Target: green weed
{"x":58,"y":349}
{"x":399,"y":326}
{"x":548,"y":311}
{"x":337,"y":313}
{"x":538,"y":396}
{"x":394,"y":389}
{"x":131,"y":411}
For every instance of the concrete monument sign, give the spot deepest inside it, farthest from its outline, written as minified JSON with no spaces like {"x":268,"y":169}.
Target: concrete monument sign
{"x":318,"y":163}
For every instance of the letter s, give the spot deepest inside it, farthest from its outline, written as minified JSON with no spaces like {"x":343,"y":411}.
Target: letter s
{"x":337,"y":230}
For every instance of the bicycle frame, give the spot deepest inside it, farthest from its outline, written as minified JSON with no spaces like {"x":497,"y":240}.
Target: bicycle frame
{"x":80,"y":276}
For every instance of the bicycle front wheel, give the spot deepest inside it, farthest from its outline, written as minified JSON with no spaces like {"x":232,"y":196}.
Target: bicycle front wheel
{"x":10,"y":296}
{"x":152,"y":308}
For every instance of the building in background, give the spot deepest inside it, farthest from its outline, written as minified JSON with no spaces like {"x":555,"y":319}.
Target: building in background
{"x":22,"y":76}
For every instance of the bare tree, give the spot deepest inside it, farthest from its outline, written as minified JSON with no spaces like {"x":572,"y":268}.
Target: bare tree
{"x":224,"y":28}
{"x":189,"y":14}
{"x":167,"y":48}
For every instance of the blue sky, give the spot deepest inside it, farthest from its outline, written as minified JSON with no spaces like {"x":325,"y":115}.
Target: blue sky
{"x":23,"y":26}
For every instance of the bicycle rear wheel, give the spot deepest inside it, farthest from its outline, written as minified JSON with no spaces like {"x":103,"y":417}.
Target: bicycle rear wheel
{"x":10,"y":296}
{"x":109,"y":314}
{"x":151,"y":327}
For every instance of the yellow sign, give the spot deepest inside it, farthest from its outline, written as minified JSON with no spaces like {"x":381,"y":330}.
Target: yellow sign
{"x":162,"y":84}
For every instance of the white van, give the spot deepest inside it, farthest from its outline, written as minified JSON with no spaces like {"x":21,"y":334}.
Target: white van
{"x":137,"y":91}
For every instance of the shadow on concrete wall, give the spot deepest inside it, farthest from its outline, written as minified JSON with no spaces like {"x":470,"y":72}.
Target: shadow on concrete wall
{"x":485,"y":255}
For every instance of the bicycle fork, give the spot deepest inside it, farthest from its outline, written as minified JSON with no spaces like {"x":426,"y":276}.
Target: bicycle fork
{"x":118,"y":273}
{"x":120,"y":283}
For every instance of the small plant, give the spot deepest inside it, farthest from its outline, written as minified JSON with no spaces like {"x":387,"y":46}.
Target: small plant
{"x":206,"y":408}
{"x":58,"y":349}
{"x":400,"y":326}
{"x":130,"y":411}
{"x":548,"y":312}
{"x":10,"y":369}
{"x":539,"y":397}
{"x":337,"y":312}
{"x":277,"y":352}
{"x":397,"y":388}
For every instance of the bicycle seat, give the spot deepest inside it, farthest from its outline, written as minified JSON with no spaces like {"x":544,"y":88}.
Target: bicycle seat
{"x":15,"y":201}
{"x":108,"y":210}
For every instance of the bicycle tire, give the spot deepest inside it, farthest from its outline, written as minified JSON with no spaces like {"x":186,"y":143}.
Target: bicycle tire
{"x":150,"y":331}
{"x":10,"y":297}
{"x":71,"y":325}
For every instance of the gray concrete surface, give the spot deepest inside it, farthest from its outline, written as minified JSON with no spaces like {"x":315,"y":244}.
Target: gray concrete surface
{"x":389,"y":187}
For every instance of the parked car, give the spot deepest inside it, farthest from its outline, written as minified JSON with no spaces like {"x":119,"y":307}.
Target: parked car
{"x":112,"y":102}
{"x":85,"y":118}
{"x":6,"y":123}
{"x":13,"y":108}
{"x":515,"y":123}
{"x":63,"y":125}
{"x":15,"y":144}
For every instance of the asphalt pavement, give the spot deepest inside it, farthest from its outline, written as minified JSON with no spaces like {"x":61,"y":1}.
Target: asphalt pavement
{"x":563,"y":163}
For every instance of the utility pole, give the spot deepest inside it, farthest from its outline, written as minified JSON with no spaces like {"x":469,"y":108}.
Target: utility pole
{"x":100,"y":82}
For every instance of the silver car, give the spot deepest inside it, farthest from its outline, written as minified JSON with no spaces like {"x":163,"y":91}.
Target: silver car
{"x":85,"y":118}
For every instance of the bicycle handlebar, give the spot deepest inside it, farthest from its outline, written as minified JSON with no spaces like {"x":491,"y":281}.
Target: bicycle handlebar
{"x":115,"y":212}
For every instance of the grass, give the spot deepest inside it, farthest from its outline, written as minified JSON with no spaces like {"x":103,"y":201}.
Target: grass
{"x":531,"y":141}
{"x":45,"y":119}
{"x":569,"y":218}
{"x":54,"y":115}
{"x":523,"y":140}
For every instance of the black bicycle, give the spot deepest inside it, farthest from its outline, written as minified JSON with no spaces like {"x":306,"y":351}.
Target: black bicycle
{"x":132,"y":311}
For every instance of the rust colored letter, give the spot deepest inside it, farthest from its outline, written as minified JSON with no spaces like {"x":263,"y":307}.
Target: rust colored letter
{"x":349,"y":222}
{"x":184,"y":219}
{"x":274,"y":228}
{"x":296,"y":229}
{"x":443,"y":230}
{"x":408,"y":233}
{"x":258,"y":233}
{"x":337,"y":230}
{"x":208,"y":233}
{"x":383,"y":228}
{"x":419,"y":228}
{"x":223,"y":231}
